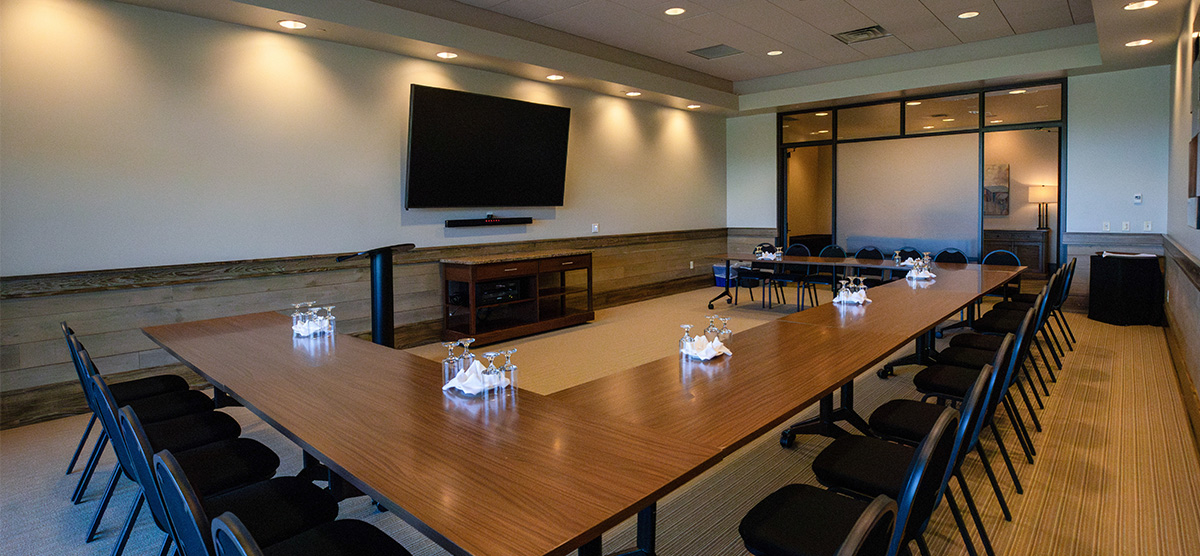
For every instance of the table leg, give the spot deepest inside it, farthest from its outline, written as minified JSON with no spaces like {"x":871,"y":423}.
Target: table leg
{"x":728,"y":297}
{"x":646,"y":532}
{"x":221,"y":399}
{"x":822,"y":424}
{"x":592,"y":548}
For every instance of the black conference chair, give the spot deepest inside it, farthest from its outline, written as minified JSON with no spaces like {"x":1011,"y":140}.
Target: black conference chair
{"x":870,"y":277}
{"x":804,"y":519}
{"x":759,"y":273}
{"x":1056,"y":303}
{"x":1005,"y":258}
{"x":907,"y":253}
{"x":798,"y":275}
{"x":273,"y":511}
{"x":828,"y":274}
{"x":999,"y":321}
{"x":212,"y":468}
{"x":950,"y":255}
{"x":182,"y":402}
{"x":343,"y":537}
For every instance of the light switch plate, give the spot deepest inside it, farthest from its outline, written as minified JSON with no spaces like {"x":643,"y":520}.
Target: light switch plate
{"x":595,"y":228}
{"x":1146,"y":226}
{"x":1105,"y":226}
{"x":1125,"y":226}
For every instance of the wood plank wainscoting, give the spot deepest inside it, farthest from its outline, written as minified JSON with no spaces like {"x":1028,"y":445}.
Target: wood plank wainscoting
{"x":1183,"y":325}
{"x":109,"y":308}
{"x":1085,"y":244}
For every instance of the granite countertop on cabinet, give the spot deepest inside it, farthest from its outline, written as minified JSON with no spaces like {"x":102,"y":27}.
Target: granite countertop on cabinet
{"x":510,"y":257}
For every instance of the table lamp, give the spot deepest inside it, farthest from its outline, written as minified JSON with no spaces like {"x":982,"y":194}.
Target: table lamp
{"x":1043,"y":196}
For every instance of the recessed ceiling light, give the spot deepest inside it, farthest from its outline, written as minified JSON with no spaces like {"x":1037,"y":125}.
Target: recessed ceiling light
{"x":1042,"y":106}
{"x":1140,"y":5}
{"x":675,"y":11}
{"x":633,"y":94}
{"x":774,"y":52}
{"x":927,"y":127}
{"x":947,"y":119}
{"x":822,"y":114}
{"x":1139,"y":42}
{"x":968,"y":15}
{"x":554,"y":77}
{"x":1017,"y":92}
{"x":292,"y":24}
{"x":447,"y":55}
{"x":913,"y":103}
{"x":823,"y":131}
{"x":996,"y":121}
{"x":695,"y":106}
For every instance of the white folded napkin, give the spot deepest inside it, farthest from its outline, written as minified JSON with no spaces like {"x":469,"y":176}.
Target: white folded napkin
{"x":770,"y":256}
{"x":915,"y":274}
{"x":909,"y":262}
{"x":474,"y":381}
{"x":857,"y":298}
{"x":702,"y":349}
{"x":307,"y":328}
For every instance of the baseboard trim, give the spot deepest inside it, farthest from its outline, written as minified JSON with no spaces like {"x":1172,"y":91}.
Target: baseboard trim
{"x":64,"y":399}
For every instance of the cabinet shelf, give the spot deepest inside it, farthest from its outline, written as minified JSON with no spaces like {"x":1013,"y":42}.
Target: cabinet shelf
{"x":558,"y":292}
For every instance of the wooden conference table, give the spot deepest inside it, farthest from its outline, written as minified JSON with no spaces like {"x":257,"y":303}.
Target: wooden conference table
{"x":531,"y":474}
{"x":885,"y":264}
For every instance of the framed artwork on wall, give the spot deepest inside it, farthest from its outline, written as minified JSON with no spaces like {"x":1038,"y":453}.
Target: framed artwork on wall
{"x":995,"y":190}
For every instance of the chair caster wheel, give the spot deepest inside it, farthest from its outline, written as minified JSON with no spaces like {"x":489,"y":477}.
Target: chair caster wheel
{"x":710,"y":306}
{"x":884,"y":373}
{"x":787,"y":439}
{"x":729,"y":302}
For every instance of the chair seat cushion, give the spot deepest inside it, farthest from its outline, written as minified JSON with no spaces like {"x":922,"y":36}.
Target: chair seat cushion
{"x":1012,"y":306}
{"x":191,"y":431}
{"x":344,"y":537}
{"x":987,"y":342}
{"x":947,"y":381}
{"x":227,"y":464}
{"x":965,"y":357}
{"x":906,"y":420}
{"x":999,"y":322}
{"x":865,"y":465}
{"x":276,"y":510}
{"x":1024,"y":297}
{"x":125,"y":392}
{"x":800,"y":520}
{"x":170,"y":405}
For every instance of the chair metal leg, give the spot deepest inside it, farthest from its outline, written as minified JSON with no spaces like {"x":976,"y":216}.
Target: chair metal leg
{"x":922,"y":546}
{"x":1054,"y":336}
{"x":1038,"y":345}
{"x":108,"y":492}
{"x":1068,"y":324}
{"x":1062,"y":331}
{"x":82,"y":440}
{"x":119,"y":548}
{"x":991,"y":475}
{"x":962,"y":525}
{"x":90,"y":468}
{"x":1054,"y":354}
{"x":1037,"y":425}
{"x":983,"y":536}
{"x":1012,"y":471}
{"x":1018,"y":424}
{"x":1038,"y":371}
{"x":166,"y":549}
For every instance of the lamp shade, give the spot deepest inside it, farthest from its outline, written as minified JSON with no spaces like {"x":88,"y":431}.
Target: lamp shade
{"x":1043,"y":194}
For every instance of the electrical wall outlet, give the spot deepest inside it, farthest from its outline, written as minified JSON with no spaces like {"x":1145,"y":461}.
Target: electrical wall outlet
{"x":1105,"y":226}
{"x":1125,"y":226}
{"x":1137,"y":198}
{"x":692,"y":265}
{"x":595,"y":228}
{"x":1146,"y":226}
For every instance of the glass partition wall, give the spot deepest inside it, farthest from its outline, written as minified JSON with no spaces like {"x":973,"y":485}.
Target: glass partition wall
{"x":928,"y":172}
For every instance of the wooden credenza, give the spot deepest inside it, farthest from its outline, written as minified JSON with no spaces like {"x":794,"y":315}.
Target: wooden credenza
{"x":1031,"y":246}
{"x":498,"y":297}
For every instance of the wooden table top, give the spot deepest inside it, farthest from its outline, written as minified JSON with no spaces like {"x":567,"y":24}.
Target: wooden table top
{"x":529,"y":476}
{"x":781,"y":367}
{"x":853,"y":262}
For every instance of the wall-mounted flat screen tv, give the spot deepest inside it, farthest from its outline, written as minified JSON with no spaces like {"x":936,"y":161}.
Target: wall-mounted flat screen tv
{"x":472,"y":150}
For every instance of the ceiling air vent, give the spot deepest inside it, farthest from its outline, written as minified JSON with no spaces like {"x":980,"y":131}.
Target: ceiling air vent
{"x":714,"y":52}
{"x":864,"y":34}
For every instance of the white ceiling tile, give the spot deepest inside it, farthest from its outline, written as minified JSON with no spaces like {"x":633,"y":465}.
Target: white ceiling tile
{"x":879,"y":48}
{"x":482,"y":3}
{"x":530,"y":10}
{"x":989,"y":24}
{"x":658,"y":8}
{"x":830,"y":16}
{"x":909,"y":21}
{"x":772,"y":21}
{"x":1027,"y":16}
{"x":1081,"y":11}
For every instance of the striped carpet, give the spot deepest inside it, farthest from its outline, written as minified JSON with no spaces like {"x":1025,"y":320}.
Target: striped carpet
{"x":1116,"y":471}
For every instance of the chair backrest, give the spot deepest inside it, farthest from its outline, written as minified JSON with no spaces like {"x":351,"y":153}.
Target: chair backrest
{"x":137,"y":444}
{"x":924,"y":480}
{"x":996,"y":383}
{"x":106,"y":410}
{"x":82,"y":372}
{"x":833,"y":251}
{"x":1001,"y":257}
{"x":871,"y":534}
{"x":764,"y":248}
{"x":1067,"y":283}
{"x":869,"y":252}
{"x":950,"y":255}
{"x":909,"y":253}
{"x":231,"y":538}
{"x":797,"y":250}
{"x":1020,"y":348}
{"x":184,"y":510}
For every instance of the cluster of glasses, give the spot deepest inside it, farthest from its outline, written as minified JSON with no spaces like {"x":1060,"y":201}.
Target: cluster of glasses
{"x":308,"y":322}
{"x":711,"y":332}
{"x":852,"y":285}
{"x":924,"y":264}
{"x":453,"y":364}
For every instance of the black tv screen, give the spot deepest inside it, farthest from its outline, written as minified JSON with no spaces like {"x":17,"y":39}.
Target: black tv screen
{"x":471,"y":150}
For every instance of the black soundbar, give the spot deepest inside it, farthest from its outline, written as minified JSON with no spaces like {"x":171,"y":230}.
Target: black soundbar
{"x":489,"y":222}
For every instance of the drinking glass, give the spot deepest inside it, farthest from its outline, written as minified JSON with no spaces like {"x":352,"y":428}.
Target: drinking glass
{"x":466,"y":359}
{"x":450,"y":363}
{"x":843,"y":291}
{"x":896,"y":257}
{"x":491,"y":375}
{"x":711,"y":331}
{"x":685,"y":343}
{"x":298,"y":324}
{"x":725,"y":334}
{"x":330,"y":320}
{"x":510,"y":368}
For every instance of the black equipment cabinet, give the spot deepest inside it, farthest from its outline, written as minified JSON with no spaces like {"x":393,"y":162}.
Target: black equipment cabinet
{"x":1126,"y":290}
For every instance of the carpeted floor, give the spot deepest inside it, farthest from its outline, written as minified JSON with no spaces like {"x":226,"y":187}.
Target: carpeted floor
{"x":1116,"y":472}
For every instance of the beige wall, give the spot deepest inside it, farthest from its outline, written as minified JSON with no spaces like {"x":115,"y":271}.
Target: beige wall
{"x":137,"y":137}
{"x":810,"y":190}
{"x":1032,"y":158}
